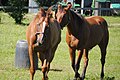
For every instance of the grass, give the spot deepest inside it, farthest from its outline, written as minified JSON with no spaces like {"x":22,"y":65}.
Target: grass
{"x":61,"y":69}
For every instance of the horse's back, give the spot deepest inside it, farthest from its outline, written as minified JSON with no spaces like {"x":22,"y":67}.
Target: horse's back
{"x":98,"y":30}
{"x":95,"y":20}
{"x":101,"y":22}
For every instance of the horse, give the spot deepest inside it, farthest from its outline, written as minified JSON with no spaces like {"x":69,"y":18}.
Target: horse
{"x":43,"y":36}
{"x":83,"y":33}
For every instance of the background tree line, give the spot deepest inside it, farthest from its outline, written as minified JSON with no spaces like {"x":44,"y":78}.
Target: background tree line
{"x":17,"y":11}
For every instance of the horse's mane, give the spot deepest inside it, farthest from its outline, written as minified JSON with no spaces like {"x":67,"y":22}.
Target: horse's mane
{"x":36,"y":18}
{"x":77,"y":16}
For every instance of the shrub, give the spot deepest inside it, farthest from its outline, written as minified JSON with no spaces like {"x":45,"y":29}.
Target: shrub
{"x":17,"y":8}
{"x":17,"y":12}
{"x":47,"y":3}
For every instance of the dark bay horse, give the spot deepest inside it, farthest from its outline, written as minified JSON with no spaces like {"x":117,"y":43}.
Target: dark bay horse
{"x":82,"y":35}
{"x":43,"y":36}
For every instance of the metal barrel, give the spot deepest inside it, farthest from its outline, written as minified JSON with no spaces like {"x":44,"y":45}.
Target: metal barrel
{"x":22,"y":57}
{"x":21,"y":54}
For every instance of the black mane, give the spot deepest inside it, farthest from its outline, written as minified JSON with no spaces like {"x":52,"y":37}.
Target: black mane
{"x":77,"y":17}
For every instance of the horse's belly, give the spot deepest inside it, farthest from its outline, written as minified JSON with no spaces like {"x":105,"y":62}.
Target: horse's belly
{"x":94,"y":39}
{"x":91,"y":45}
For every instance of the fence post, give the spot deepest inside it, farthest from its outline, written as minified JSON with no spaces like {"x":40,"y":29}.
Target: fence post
{"x":96,"y":12}
{"x":32,"y":3}
{"x":82,"y":6}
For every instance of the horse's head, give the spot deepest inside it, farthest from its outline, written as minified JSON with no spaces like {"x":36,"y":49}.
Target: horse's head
{"x":41,"y":32}
{"x":63,"y":15}
{"x":42,"y":25}
{"x":41,"y":13}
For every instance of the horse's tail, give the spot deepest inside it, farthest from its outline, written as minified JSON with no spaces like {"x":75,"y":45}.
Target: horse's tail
{"x":104,"y":24}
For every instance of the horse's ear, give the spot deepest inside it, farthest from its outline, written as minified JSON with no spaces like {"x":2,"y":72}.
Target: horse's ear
{"x":59,"y":7}
{"x":49,"y":9}
{"x":68,"y":7}
{"x":49,"y":12}
{"x":41,"y":9}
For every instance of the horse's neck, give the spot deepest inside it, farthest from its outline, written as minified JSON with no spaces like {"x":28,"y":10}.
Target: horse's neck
{"x":55,"y":32}
{"x":74,"y":26}
{"x":78,"y":27}
{"x":33,"y":24}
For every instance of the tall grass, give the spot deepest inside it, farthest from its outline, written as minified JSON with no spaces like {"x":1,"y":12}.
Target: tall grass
{"x":61,"y":65}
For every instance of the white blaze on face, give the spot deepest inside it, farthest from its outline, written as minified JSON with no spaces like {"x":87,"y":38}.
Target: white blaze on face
{"x":43,"y":29}
{"x":40,"y":37}
{"x":53,"y":14}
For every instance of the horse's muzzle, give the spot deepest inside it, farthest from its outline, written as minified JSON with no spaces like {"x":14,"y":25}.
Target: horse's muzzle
{"x":39,"y":37}
{"x":39,"y":41}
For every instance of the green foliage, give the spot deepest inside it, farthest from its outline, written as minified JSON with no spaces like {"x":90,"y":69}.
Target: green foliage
{"x":47,"y":3}
{"x":17,"y":11}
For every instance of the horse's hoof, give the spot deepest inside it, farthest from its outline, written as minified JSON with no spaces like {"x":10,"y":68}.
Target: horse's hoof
{"x":101,"y":78}
{"x":82,"y":78}
{"x":77,"y":78}
{"x":74,"y":79}
{"x":45,"y":78}
{"x":77,"y":75}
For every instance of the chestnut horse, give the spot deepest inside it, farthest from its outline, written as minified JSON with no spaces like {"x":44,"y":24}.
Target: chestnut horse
{"x":43,"y":36}
{"x":83,"y":34}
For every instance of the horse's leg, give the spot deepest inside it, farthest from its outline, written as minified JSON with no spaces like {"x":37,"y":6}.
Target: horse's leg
{"x":72,"y":57}
{"x":103,"y":47}
{"x":32,"y":67}
{"x":85,"y":63}
{"x":48,"y":68}
{"x":103,"y":55}
{"x":44,"y":70}
{"x":77,"y":66}
{"x":46,"y":64}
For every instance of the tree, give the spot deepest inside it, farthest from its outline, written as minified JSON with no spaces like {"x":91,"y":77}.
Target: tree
{"x":17,"y":12}
{"x":47,"y":3}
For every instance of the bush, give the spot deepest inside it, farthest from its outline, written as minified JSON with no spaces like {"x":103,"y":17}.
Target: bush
{"x":17,"y":11}
{"x":47,"y":3}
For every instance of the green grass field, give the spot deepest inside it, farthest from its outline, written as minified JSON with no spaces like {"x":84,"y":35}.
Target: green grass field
{"x":61,"y":69}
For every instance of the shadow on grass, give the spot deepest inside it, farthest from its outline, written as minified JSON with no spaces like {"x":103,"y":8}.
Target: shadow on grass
{"x":109,"y":78}
{"x":57,"y":70}
{"x":24,"y":24}
{"x":98,"y":78}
